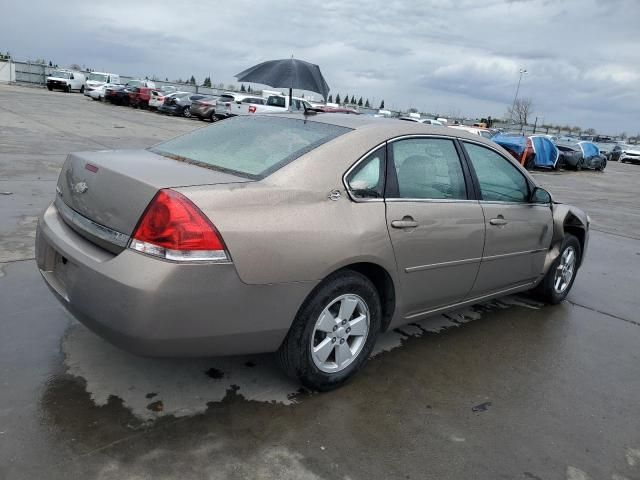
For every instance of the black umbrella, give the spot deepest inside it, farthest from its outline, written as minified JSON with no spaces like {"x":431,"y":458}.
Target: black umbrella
{"x":290,"y":73}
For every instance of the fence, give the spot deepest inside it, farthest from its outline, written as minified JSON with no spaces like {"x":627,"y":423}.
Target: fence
{"x":30,"y":73}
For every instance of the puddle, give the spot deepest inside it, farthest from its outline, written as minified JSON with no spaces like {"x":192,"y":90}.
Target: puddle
{"x":152,"y":387}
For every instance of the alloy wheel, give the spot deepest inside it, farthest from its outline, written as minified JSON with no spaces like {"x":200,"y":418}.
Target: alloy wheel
{"x":340,"y":333}
{"x":565,"y":270}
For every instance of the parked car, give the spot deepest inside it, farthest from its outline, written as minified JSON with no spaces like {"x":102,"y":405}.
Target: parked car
{"x":230,"y":240}
{"x":228,"y":104}
{"x":99,"y":79}
{"x":67,"y":80}
{"x":579,"y":155}
{"x":531,"y":151}
{"x":98,"y":93}
{"x":629,"y":153}
{"x":179,"y":104}
{"x":116,"y":94}
{"x":205,"y":108}
{"x":139,"y":97}
{"x":338,"y":109}
{"x":270,"y":103}
{"x":158,"y":96}
{"x":482,"y":132}
{"x":426,"y":121}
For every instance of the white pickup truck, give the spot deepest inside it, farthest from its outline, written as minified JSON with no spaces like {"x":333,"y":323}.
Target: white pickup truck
{"x":232,"y":104}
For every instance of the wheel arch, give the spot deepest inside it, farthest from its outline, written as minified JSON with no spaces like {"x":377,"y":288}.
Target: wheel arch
{"x":567,"y":220}
{"x":382,"y":281}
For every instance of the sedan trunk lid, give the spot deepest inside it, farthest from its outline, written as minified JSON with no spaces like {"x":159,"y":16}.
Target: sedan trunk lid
{"x":113,"y":188}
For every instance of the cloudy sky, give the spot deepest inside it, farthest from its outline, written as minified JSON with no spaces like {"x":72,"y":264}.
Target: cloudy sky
{"x":450,"y":57}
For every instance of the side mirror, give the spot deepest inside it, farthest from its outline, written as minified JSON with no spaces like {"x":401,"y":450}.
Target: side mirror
{"x":540,"y":195}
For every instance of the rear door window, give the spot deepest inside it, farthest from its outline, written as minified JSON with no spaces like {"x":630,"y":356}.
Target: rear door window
{"x":428,"y":168}
{"x":250,"y":146}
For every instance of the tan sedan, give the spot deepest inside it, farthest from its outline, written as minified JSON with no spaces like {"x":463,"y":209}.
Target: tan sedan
{"x":305,"y":235}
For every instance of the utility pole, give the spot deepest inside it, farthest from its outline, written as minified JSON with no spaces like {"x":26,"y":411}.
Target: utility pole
{"x":523,"y":71}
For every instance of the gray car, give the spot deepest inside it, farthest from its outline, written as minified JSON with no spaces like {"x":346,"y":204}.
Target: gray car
{"x":305,"y":235}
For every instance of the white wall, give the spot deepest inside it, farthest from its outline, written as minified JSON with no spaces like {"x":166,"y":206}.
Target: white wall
{"x":7,"y":72}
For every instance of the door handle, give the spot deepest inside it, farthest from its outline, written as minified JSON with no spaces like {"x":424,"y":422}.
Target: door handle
{"x":500,"y":221}
{"x":406,"y":222}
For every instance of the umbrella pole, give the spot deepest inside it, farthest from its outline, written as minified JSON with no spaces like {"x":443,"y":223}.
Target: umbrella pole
{"x":290,"y":98}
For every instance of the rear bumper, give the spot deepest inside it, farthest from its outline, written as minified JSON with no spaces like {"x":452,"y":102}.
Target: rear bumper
{"x":158,"y":308}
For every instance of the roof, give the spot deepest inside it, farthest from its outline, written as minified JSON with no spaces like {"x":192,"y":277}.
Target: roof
{"x":390,"y":127}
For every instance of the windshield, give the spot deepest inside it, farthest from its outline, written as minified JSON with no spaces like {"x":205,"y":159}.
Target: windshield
{"x":100,"y":77}
{"x":134,"y":83}
{"x":250,"y":146}
{"x":60,"y":74}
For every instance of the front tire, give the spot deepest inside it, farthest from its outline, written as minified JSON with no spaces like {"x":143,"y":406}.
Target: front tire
{"x":82,"y":89}
{"x":186,"y":112}
{"x":558,"y":281}
{"x":333,"y":333}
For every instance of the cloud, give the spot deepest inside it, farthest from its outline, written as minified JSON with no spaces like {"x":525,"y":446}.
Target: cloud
{"x":437,"y":55}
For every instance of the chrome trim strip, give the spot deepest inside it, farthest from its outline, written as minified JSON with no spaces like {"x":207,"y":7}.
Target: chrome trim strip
{"x":92,"y":228}
{"x":470,"y":301}
{"x":432,"y":200}
{"x":432,"y":266}
{"x":512,"y":254}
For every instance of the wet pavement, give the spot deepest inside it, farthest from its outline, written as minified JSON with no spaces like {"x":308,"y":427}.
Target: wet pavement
{"x":511,"y":389}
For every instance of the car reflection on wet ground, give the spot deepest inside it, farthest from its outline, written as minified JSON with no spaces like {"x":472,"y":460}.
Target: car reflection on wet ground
{"x":507,"y":389}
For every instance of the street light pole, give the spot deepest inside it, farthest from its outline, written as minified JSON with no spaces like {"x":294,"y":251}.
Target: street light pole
{"x":523,"y":71}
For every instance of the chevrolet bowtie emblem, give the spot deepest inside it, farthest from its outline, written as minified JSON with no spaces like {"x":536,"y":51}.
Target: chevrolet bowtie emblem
{"x":80,"y":187}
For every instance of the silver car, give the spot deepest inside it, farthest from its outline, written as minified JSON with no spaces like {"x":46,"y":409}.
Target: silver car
{"x":305,"y":235}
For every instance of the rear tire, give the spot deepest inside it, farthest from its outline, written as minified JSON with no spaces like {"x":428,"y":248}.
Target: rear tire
{"x":68,"y":89}
{"x":49,"y":88}
{"x":213,"y":118}
{"x":186,"y":112}
{"x":82,"y":89}
{"x":579,"y":165}
{"x":321,"y":349}
{"x":558,"y":281}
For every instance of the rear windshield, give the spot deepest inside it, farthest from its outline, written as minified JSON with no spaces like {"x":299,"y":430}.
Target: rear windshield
{"x":250,"y":146}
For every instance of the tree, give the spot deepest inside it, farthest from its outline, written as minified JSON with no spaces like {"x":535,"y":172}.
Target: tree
{"x":521,"y":110}
{"x":366,"y":104}
{"x":249,"y":89}
{"x":338,"y":99}
{"x":623,"y":136}
{"x":50,"y":64}
{"x":207,"y":82}
{"x":330,"y":99}
{"x":242,"y":88}
{"x":346,"y":99}
{"x":353,"y":100}
{"x":166,"y":79}
{"x":590,"y":131}
{"x":381,"y":104}
{"x":360,"y":102}
{"x":74,"y":66}
{"x":192,"y":80}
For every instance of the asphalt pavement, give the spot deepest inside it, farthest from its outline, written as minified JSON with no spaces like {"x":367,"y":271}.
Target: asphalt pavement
{"x":510,"y":389}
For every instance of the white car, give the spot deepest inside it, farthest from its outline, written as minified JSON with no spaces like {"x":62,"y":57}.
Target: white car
{"x":482,"y":132}
{"x":426,"y":121}
{"x":158,"y":96}
{"x":99,"y":79}
{"x":66,"y":80}
{"x":97,"y":93}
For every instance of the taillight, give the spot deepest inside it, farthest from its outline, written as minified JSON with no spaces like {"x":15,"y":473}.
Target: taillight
{"x":173,"y":228}
{"x":252,"y":109}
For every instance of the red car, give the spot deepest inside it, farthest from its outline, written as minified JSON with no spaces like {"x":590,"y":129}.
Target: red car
{"x":139,"y":97}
